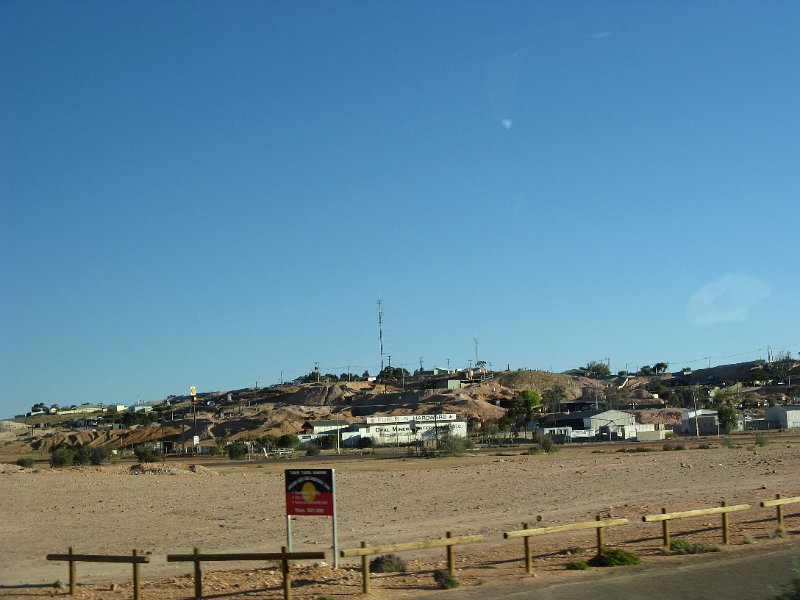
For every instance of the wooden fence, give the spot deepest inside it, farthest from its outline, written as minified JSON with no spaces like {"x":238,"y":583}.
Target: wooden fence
{"x":599,"y":524}
{"x":72,"y":558}
{"x":779,"y":503}
{"x":283,"y":556}
{"x":448,"y":542}
{"x":366,"y":551}
{"x":724,"y":510}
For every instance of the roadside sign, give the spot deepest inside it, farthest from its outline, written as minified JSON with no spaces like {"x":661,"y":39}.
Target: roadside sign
{"x":193,"y":391}
{"x":310,"y":492}
{"x":196,"y":440}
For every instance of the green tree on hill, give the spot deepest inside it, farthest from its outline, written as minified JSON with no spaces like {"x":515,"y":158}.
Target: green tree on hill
{"x":597,"y":368}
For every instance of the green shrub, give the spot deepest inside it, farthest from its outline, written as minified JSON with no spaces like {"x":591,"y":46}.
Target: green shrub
{"x":761,"y":439}
{"x":444,"y":580}
{"x":681,"y":546}
{"x":61,"y":457}
{"x":312,"y":450}
{"x":548,"y":444}
{"x":366,"y":442}
{"x":577,"y":566}
{"x":614,"y":557}
{"x":730,"y":444}
{"x":790,"y":591}
{"x":667,"y":447}
{"x":147,"y":453}
{"x":99,"y":455}
{"x":82,"y":454}
{"x":237,"y":450}
{"x":26,"y":462}
{"x":288,"y":440}
{"x":387,"y":563}
{"x":704,"y":446}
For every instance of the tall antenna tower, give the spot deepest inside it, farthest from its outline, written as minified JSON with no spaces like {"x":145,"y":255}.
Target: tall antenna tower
{"x":476,"y":350}
{"x":380,"y":329}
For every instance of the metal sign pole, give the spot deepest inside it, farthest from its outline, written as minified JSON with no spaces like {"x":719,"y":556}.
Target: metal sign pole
{"x":333,"y":517}
{"x":289,"y":532}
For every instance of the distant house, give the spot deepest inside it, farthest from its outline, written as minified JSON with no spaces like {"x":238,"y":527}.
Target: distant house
{"x":702,"y":421}
{"x":607,"y":423}
{"x":783,"y":416}
{"x":325,"y":426}
{"x":140,"y":408}
{"x":448,"y":384}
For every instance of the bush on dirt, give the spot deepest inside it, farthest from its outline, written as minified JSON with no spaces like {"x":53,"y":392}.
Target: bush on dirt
{"x":147,"y":453}
{"x":387,"y":563}
{"x":614,"y":557}
{"x":444,"y":580}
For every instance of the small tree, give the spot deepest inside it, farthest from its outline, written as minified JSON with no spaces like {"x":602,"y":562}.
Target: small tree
{"x":61,"y":456}
{"x":521,"y":412}
{"x":728,"y":417}
{"x":99,"y":455}
{"x":553,"y":397}
{"x":147,"y":453}
{"x":237,"y":450}
{"x":289,"y":440}
{"x":597,"y":368}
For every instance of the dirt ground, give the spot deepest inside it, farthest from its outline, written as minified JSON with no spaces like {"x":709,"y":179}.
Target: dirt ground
{"x":239,"y":507}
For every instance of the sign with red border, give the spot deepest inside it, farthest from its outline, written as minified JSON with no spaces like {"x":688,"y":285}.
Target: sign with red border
{"x":310,"y":492}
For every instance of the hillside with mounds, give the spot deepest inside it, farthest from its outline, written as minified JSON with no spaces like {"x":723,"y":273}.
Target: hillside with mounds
{"x":276,"y":410}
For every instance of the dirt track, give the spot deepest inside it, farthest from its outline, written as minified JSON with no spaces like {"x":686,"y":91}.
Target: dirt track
{"x":110,"y":510}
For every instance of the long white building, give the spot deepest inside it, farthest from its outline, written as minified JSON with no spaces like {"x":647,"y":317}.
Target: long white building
{"x":389,"y":430}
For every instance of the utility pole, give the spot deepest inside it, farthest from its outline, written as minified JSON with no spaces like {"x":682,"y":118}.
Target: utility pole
{"x":316,"y":370}
{"x":476,"y":350}
{"x":380,"y":329}
{"x":420,"y":364}
{"x":696,"y":423}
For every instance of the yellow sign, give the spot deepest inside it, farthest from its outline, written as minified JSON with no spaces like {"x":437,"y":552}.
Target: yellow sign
{"x":192,"y":391}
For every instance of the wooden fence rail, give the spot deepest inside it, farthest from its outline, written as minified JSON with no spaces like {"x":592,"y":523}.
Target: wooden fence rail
{"x":779,"y":503}
{"x":723,"y":510}
{"x":599,"y":524}
{"x":72,"y":558}
{"x":365,"y":551}
{"x":284,"y":556}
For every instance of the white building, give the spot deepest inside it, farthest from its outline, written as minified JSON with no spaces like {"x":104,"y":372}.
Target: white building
{"x":703,"y":421}
{"x":407,"y":429}
{"x":783,"y":416}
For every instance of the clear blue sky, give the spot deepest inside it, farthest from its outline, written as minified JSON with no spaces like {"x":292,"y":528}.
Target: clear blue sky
{"x":211,"y":193}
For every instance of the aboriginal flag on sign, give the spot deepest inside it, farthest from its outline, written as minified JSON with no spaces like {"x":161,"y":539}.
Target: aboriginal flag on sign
{"x":309,"y":492}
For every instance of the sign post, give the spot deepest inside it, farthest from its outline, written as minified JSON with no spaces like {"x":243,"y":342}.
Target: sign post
{"x":311,"y":493}
{"x":196,"y":439}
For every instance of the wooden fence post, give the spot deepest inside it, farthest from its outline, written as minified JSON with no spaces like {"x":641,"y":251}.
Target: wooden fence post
{"x":451,"y":561}
{"x":198,"y":576}
{"x":527,"y":542}
{"x":136,"y":593}
{"x":780,"y":511}
{"x":364,"y":571}
{"x":665,"y":528}
{"x":726,"y":532}
{"x":72,"y":575}
{"x":599,"y":537}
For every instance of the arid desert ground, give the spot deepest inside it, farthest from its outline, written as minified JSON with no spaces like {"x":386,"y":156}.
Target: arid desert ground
{"x":227,"y":507}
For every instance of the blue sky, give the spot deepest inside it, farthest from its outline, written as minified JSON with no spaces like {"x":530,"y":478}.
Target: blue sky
{"x":212,"y":193}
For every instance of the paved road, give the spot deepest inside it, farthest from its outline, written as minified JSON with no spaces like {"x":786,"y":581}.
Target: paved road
{"x":745,"y":575}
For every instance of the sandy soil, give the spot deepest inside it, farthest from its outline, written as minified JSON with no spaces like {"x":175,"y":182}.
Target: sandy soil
{"x":240,"y":507}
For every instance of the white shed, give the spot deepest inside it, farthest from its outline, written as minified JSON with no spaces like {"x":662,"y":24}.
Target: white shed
{"x":783,"y":416}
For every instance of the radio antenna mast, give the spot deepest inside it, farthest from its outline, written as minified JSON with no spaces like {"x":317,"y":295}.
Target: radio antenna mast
{"x":380,"y":329}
